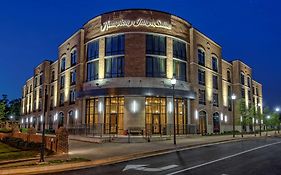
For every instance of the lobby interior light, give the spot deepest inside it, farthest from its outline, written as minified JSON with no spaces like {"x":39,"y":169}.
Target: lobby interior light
{"x":134,"y":106}
{"x":225,"y":118}
{"x":196,"y":114}
{"x":26,"y":120}
{"x":170,"y":107}
{"x":31,"y":119}
{"x":100,"y":107}
{"x":22,"y":120}
{"x":76,"y":114}
{"x":56,"y":117}
{"x":41,"y":118}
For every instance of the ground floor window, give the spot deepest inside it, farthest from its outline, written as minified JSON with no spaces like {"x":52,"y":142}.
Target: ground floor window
{"x":114,"y":114}
{"x":216,"y":122}
{"x":155,"y":115}
{"x":91,"y":111}
{"x":181,"y":117}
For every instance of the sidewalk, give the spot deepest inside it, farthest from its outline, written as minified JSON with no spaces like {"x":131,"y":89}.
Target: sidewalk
{"x":108,"y":153}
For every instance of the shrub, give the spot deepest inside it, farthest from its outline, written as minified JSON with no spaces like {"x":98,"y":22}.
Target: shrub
{"x":5,"y":130}
{"x":24,"y":130}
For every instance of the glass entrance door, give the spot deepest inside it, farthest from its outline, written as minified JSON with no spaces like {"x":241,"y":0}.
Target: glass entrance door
{"x":113,"y":124}
{"x":156,"y":124}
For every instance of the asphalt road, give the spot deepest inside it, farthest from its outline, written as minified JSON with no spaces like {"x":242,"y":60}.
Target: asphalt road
{"x":254,"y":156}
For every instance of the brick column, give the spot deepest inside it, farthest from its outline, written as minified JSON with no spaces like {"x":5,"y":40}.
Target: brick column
{"x":101,"y":57}
{"x":169,"y":50}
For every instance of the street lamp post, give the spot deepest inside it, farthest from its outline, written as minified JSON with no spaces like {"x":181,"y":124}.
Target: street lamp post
{"x":233,"y":97}
{"x":173,"y":82}
{"x":278,"y":111}
{"x":260,"y":115}
{"x":43,"y":131}
{"x":266,"y":124}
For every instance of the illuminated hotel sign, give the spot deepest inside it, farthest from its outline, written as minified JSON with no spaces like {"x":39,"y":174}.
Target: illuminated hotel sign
{"x":151,"y":23}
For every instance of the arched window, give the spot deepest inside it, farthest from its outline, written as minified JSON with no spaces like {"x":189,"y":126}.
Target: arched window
{"x":61,"y":120}
{"x":242,"y":78}
{"x":202,"y":122}
{"x":228,"y":76}
{"x":62,"y":64}
{"x":71,"y":118}
{"x":73,"y":57}
{"x":249,"y":81}
{"x":215,"y":64}
{"x":201,"y":57}
{"x":216,"y":122}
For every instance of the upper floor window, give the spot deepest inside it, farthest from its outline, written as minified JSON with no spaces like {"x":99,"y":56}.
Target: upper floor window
{"x":115,"y":45}
{"x":243,"y":92}
{"x":228,"y":76}
{"x":201,"y":57}
{"x":61,"y":98}
{"x":179,"y":49}
{"x":249,"y":81}
{"x":62,"y":81}
{"x":52,"y":90}
{"x":35,"y":81}
{"x":202,"y":97}
{"x":93,"y":70}
{"x":249,"y":95}
{"x":155,"y":66}
{"x":242,"y":78}
{"x":73,"y":57}
{"x":229,"y":100}
{"x":30,"y":88}
{"x":215,"y":82}
{"x":215,"y":64}
{"x":93,"y":50}
{"x":62,"y":64}
{"x":257,"y":92}
{"x":41,"y":79}
{"x":155,"y":45}
{"x":114,"y":67}
{"x":53,"y":76}
{"x":179,"y":70}
{"x":215,"y":99}
{"x":73,"y":77}
{"x":72,"y":96}
{"x":201,"y":77}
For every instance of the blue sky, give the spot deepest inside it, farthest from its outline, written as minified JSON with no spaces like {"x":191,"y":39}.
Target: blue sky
{"x":250,"y":30}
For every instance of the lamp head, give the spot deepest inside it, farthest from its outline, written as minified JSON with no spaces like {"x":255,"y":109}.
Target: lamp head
{"x":173,"y":81}
{"x":233,"y":96}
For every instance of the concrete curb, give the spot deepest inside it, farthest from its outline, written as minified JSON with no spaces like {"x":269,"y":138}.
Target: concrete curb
{"x":112,"y":160}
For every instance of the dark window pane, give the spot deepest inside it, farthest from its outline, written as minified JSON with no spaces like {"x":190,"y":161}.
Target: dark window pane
{"x":155,"y":67}
{"x":114,"y":45}
{"x":93,"y":50}
{"x":155,"y":45}
{"x":179,"y":50}
{"x":114,"y":67}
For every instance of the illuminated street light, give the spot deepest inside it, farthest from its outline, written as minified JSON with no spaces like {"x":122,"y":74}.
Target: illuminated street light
{"x":277,"y":109}
{"x":268,"y":117}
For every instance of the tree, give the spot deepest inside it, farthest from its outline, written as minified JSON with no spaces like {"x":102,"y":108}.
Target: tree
{"x":244,"y":114}
{"x":2,"y":110}
{"x":14,"y":108}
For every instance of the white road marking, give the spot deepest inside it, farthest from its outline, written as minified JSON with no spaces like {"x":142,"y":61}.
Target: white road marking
{"x":227,"y":157}
{"x":143,"y":168}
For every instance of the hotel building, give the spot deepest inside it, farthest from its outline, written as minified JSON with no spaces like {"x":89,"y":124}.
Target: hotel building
{"x":114,"y":75}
